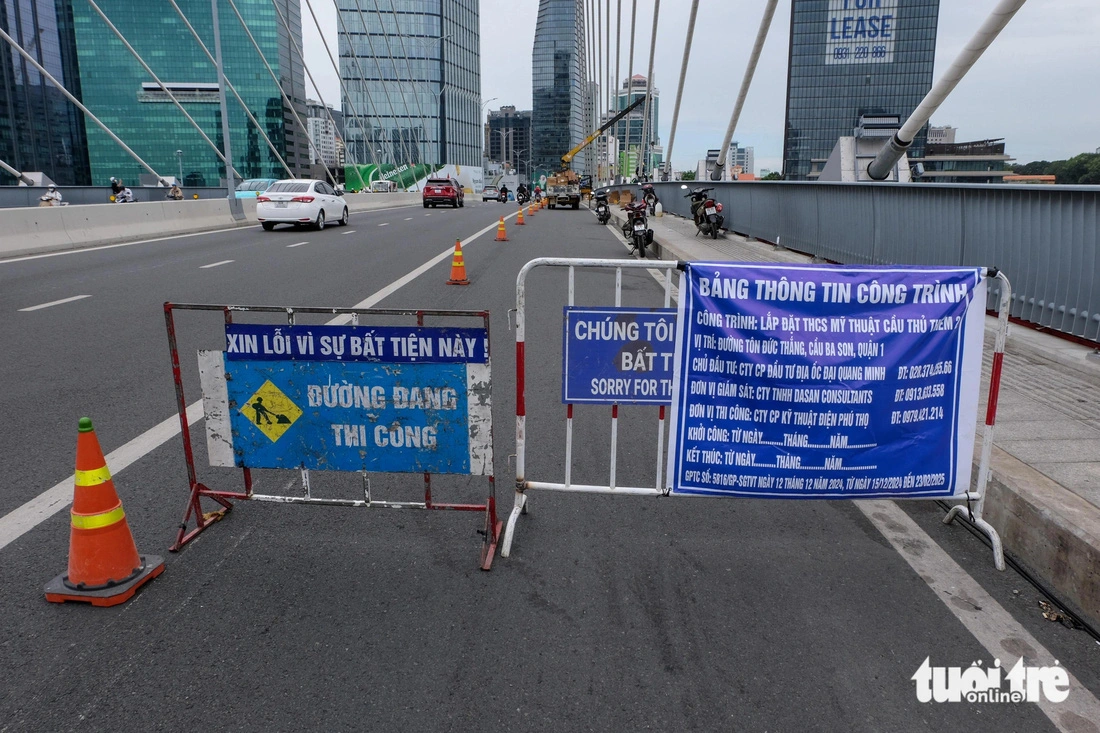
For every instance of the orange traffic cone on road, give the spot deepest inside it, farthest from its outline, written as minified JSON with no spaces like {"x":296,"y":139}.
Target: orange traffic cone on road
{"x":530,"y":211}
{"x":519,"y":218}
{"x":502,"y":236}
{"x":458,"y":267}
{"x":104,"y":566}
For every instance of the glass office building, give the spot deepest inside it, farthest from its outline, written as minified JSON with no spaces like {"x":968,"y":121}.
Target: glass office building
{"x":412,"y":69}
{"x":629,"y":129}
{"x":117,"y":89}
{"x":850,"y":58}
{"x":558,"y":77}
{"x":40,"y":130}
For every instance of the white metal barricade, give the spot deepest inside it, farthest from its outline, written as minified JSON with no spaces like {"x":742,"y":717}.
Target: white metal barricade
{"x":973,"y":500}
{"x":612,"y":487}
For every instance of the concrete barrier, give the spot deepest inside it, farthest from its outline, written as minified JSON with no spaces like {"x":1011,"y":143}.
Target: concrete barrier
{"x":35,"y":230}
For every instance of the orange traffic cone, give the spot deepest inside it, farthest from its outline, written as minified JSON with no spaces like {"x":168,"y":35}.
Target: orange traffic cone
{"x":502,"y":236}
{"x":530,"y":211}
{"x":519,"y":218}
{"x":458,"y":267}
{"x":104,"y":566}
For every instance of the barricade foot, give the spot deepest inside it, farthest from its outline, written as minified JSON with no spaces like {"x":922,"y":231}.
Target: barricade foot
{"x":60,"y":589}
{"x":510,"y":530}
{"x":954,"y":512}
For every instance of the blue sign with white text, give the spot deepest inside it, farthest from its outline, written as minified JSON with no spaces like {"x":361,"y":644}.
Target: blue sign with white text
{"x":618,"y":355}
{"x":349,"y":416}
{"x":253,"y":342}
{"x":826,"y":382}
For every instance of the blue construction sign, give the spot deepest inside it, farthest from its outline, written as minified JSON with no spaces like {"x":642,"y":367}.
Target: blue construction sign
{"x":375,"y":399}
{"x":826,"y":382}
{"x":618,"y":355}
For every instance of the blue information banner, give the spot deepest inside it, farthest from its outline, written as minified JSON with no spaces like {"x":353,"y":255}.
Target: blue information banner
{"x":618,"y":355}
{"x":826,"y":382}
{"x":401,"y":344}
{"x":395,"y":415}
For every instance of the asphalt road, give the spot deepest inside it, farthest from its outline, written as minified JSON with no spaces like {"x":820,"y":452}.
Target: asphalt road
{"x":612,"y":613}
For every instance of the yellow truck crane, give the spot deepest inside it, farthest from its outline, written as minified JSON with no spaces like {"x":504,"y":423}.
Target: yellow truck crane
{"x":564,"y":188}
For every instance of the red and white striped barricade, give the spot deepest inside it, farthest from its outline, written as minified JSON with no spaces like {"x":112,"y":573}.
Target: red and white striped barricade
{"x":803,"y":381}
{"x":342,"y":396}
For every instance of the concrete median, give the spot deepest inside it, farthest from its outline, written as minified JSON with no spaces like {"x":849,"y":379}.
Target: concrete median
{"x":48,"y":229}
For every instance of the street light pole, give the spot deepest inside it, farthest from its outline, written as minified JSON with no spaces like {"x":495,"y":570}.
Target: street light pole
{"x":179,"y":157}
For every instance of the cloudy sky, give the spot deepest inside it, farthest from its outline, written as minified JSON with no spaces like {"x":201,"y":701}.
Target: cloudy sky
{"x":1038,"y":85}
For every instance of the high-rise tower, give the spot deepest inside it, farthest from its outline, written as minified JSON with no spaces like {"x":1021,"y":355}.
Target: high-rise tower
{"x":850,"y":58}
{"x":558,"y":85}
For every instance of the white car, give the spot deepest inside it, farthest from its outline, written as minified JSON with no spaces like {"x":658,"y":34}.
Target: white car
{"x":300,"y":202}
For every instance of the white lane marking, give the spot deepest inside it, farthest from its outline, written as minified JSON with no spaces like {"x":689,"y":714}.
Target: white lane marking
{"x":215,"y":264}
{"x":428,"y":214}
{"x":408,"y":218}
{"x":54,"y":302}
{"x":298,"y":244}
{"x":82,"y":250}
{"x":50,"y":502}
{"x":1002,"y":636}
{"x":16,"y":523}
{"x":384,"y":224}
{"x":350,"y":231}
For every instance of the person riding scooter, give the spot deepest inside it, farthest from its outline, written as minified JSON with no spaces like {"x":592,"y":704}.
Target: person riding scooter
{"x":52,"y":197}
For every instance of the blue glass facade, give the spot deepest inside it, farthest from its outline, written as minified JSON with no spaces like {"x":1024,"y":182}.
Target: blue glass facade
{"x":558,"y":85}
{"x":412,"y":69}
{"x":118,"y":91}
{"x":850,"y":58}
{"x":40,"y":130}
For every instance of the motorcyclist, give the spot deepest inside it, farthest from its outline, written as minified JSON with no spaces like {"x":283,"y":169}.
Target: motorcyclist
{"x":503,"y":193}
{"x":116,"y":186}
{"x":126,"y":196}
{"x":52,"y":197}
{"x":538,"y":194}
{"x":175,"y":193}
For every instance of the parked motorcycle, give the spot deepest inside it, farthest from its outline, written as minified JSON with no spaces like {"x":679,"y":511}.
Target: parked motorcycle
{"x":636,"y":229}
{"x":706,"y":211}
{"x":603,"y":210}
{"x":649,"y":195}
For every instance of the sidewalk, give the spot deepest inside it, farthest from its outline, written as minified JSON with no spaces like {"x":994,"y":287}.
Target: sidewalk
{"x":1044,"y":497}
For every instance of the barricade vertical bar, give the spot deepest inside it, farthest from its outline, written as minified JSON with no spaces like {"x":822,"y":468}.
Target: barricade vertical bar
{"x":614,"y":442}
{"x":660,"y":444}
{"x":568,"y":444}
{"x":246,"y":471}
{"x":984,"y":468}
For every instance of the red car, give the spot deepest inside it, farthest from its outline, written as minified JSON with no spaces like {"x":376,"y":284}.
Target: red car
{"x":443,"y":191}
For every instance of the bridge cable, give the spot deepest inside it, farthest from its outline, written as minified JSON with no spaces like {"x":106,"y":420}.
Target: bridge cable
{"x":328,"y":110}
{"x":680,"y":87}
{"x":646,"y":132}
{"x":441,"y":118}
{"x":340,"y":78}
{"x":630,"y":82}
{"x":618,"y":58}
{"x":289,"y":104}
{"x":164,"y":88}
{"x":891,"y":153}
{"x":607,"y":87}
{"x":402,"y":141}
{"x":18,"y":174}
{"x":589,"y":76}
{"x":233,"y":89}
{"x":761,"y":35}
{"x":366,"y":91}
{"x":42,"y":70}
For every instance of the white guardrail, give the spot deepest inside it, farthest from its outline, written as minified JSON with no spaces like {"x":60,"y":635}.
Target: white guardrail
{"x":47,"y":229}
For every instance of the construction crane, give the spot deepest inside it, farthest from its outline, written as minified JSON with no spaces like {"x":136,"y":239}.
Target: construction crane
{"x":564,"y":188}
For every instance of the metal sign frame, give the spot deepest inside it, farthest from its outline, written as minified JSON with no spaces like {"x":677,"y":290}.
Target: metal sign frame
{"x":973,"y":500}
{"x":224,"y":499}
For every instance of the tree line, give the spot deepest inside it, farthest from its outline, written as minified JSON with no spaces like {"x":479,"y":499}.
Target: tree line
{"x":1083,"y":169}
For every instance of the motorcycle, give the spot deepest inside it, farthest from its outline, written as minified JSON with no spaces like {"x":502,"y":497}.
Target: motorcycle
{"x":706,"y":211}
{"x":126,"y":196}
{"x":603,"y":210}
{"x":503,"y":198}
{"x":636,"y":229}
{"x":522,"y":198}
{"x":538,"y":196}
{"x":650,"y":197}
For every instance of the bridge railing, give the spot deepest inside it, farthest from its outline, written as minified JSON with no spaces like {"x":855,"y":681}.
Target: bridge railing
{"x":1047,"y":238}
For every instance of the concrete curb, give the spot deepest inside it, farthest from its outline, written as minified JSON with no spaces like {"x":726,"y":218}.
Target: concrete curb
{"x":1054,"y":532}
